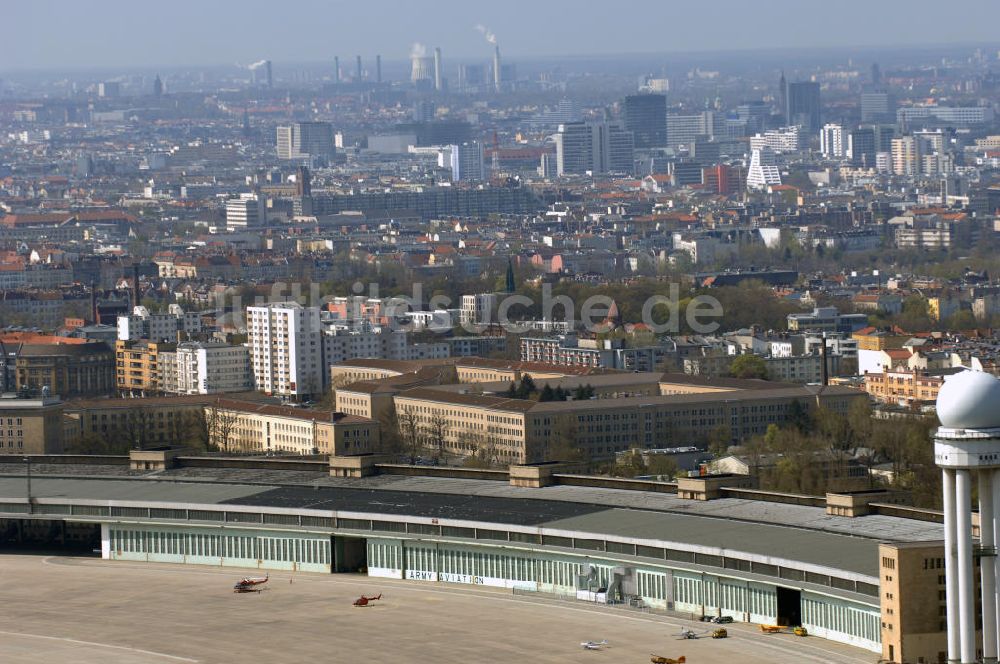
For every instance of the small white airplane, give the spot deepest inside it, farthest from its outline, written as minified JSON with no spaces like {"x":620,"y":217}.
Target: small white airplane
{"x":690,"y":634}
{"x":594,"y":645}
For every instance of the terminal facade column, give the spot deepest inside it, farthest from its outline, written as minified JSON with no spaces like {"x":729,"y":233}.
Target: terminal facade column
{"x":951,"y":563}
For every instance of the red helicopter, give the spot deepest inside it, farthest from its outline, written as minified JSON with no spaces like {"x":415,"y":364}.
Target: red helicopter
{"x":364,"y":601}
{"x":248,"y":584}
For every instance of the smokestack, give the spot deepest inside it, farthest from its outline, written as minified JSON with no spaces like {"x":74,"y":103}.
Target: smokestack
{"x":95,"y":316}
{"x":496,"y":68}
{"x":378,"y":68}
{"x":135,"y":284}
{"x":826,"y":369}
{"x":437,"y":69}
{"x":336,"y":69}
{"x":359,"y":68}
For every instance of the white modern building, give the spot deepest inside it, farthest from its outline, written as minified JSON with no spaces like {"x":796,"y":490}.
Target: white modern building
{"x":206,"y":368}
{"x":763,"y":171}
{"x":141,"y":324}
{"x":478,"y":309}
{"x":785,"y":139}
{"x":305,"y":139}
{"x":832,"y":141}
{"x":286,"y":349}
{"x":968,"y":442}
{"x":245,"y":213}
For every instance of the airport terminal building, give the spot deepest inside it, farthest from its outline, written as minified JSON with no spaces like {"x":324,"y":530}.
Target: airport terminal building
{"x":704,"y":546}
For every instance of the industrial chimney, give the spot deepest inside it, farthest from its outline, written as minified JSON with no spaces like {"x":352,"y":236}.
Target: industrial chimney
{"x":336,"y":69}
{"x":496,"y":68}
{"x":378,"y":68}
{"x":358,"y":75}
{"x":135,"y":284}
{"x":437,"y":69}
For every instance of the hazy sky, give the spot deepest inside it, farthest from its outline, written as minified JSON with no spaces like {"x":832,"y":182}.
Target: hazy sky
{"x":103,"y":33}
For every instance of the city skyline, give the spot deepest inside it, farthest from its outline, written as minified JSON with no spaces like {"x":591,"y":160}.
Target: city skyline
{"x":522,"y":30}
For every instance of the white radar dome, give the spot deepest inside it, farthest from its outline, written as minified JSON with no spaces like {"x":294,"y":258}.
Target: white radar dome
{"x":969,"y":400}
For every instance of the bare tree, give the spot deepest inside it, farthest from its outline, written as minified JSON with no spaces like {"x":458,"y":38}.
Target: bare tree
{"x":220,"y":425}
{"x":409,"y":433}
{"x":437,"y":431}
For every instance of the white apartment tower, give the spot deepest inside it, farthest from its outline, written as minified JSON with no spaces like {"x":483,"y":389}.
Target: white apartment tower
{"x":832,"y":141}
{"x":286,"y":350}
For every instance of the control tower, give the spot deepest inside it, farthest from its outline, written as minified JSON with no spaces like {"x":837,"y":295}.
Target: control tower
{"x":968,"y":442}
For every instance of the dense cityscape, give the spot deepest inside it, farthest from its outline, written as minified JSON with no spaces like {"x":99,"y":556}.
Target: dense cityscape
{"x":717,"y":319}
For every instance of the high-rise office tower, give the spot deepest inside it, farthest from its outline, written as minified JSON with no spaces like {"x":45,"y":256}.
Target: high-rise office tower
{"x":861,"y":147}
{"x":595,"y":147}
{"x":832,"y":142}
{"x":803,"y":105}
{"x":157,"y":87}
{"x":754,"y":113}
{"x":437,"y":69}
{"x":358,"y":74}
{"x":884,"y":133}
{"x":305,"y":139}
{"x":466,"y":161}
{"x":646,"y":117}
{"x":378,"y":68}
{"x":336,"y":69}
{"x":685,"y":129}
{"x":876,"y":75}
{"x":286,"y":349}
{"x":877,"y":107}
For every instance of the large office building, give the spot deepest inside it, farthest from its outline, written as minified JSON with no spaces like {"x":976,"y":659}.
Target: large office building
{"x":465,"y":161}
{"x":593,"y":147}
{"x":861,"y":147}
{"x":906,"y":155}
{"x":66,"y":367}
{"x":31,"y":424}
{"x":683,"y":130}
{"x":286,"y":350}
{"x":957,"y":116}
{"x":877,"y":107}
{"x":305,"y":139}
{"x":646,"y":117}
{"x":245,"y":213}
{"x":763,"y":171}
{"x":803,"y":107}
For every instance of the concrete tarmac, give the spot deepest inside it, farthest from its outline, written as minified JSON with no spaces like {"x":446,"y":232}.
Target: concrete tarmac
{"x":91,"y":611}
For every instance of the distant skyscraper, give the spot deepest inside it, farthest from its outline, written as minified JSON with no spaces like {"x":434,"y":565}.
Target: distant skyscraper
{"x":877,"y":107}
{"x":471,"y":76}
{"x":905,"y":156}
{"x":876,"y":75}
{"x":685,"y":129}
{"x":359,"y":71}
{"x":596,"y":147}
{"x":466,"y":161}
{"x":108,"y":89}
{"x":423,"y":111}
{"x":305,"y":139}
{"x":378,"y":68}
{"x":260,"y":74}
{"x":646,"y":117}
{"x":861,"y":147}
{"x":336,"y":69}
{"x":157,"y":87}
{"x":754,"y":113}
{"x":803,"y":105}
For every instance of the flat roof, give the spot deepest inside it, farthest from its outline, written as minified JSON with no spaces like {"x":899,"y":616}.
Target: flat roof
{"x":792,"y":532}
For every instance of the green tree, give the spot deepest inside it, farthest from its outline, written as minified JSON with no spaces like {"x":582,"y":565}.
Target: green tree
{"x":748,"y":366}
